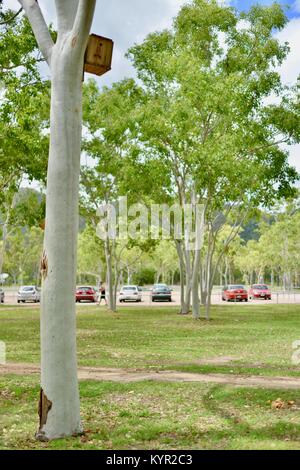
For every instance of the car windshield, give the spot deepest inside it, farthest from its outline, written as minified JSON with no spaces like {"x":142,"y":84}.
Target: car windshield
{"x":27,"y":289}
{"x":129,"y":288}
{"x":236,"y":287}
{"x":260,"y":287}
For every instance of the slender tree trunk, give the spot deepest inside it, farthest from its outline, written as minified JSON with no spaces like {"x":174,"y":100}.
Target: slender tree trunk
{"x":184,"y":295}
{"x":230,"y":274}
{"x":195,"y":286}
{"x":3,"y":247}
{"x":181,"y":269}
{"x":221,"y":277}
{"x":272,"y":278}
{"x":208,"y":306}
{"x":58,"y":325}
{"x":188,"y":286}
{"x":209,"y":287}
{"x":210,"y":273}
{"x":116,"y":285}
{"x":202,"y":283}
{"x":128,"y":275}
{"x":109,"y":275}
{"x":209,"y":294}
{"x":59,"y":398}
{"x":226,"y":272}
{"x":115,"y":280}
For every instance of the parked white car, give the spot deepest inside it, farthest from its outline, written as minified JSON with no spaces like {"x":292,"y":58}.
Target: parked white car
{"x":29,"y":294}
{"x":132,"y":293}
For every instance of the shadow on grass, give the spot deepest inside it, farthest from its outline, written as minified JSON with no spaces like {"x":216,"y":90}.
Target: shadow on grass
{"x":237,"y":425}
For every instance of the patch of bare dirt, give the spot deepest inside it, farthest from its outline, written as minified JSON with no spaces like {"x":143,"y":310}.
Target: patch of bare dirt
{"x":19,"y":369}
{"x":215,"y":361}
{"x":132,"y":375}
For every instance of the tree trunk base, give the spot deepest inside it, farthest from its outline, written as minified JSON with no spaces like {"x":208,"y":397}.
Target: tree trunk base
{"x":41,"y":436}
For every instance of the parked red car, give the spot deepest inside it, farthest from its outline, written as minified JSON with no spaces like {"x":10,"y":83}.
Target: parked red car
{"x":86,"y":293}
{"x":234,"y":292}
{"x":260,"y":291}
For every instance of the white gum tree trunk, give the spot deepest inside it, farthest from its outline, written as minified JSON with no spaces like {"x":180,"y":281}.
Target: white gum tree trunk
{"x":195,"y":286}
{"x":59,"y":407}
{"x":188,"y":279}
{"x":109,"y":275}
{"x":112,"y":274}
{"x":4,"y":242}
{"x":185,"y":284}
{"x":182,"y":274}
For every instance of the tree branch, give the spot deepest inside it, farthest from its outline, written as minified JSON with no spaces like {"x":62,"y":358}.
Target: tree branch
{"x":66,"y":13}
{"x":270,"y":144}
{"x":12,"y":67}
{"x":9,"y":20}
{"x":39,"y":27}
{"x":83,"y":20}
{"x":234,"y":232}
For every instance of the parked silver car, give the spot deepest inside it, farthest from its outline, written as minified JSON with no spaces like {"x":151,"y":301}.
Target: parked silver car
{"x":29,"y":294}
{"x":1,"y":296}
{"x":130,"y":293}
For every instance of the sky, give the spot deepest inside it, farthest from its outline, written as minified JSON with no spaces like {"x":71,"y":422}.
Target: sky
{"x":129,"y":21}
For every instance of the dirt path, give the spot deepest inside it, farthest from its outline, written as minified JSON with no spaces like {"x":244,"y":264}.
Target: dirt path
{"x":136,"y":375}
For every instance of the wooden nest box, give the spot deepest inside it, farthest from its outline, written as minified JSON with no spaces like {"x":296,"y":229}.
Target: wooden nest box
{"x":98,"y":55}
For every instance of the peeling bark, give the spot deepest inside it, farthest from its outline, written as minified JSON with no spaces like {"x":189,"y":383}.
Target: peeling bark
{"x":45,"y":406}
{"x":44,"y":266}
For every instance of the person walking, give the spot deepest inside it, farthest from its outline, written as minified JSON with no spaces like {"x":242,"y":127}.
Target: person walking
{"x":102,"y":294}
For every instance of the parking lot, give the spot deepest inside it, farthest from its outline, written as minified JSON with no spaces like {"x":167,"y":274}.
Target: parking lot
{"x":278,"y":297}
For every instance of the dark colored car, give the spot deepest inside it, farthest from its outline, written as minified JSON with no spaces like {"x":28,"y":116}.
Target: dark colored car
{"x":86,"y":293}
{"x":236,"y":292}
{"x":260,"y":291}
{"x":1,"y":296}
{"x":161,"y":292}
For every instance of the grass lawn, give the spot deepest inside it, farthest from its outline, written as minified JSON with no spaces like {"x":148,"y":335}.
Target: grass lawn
{"x":154,"y":415}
